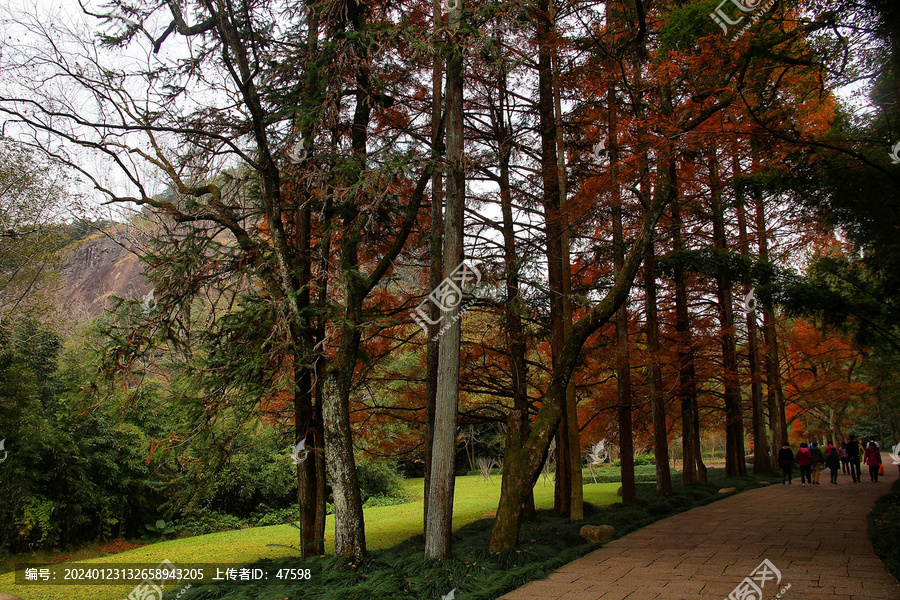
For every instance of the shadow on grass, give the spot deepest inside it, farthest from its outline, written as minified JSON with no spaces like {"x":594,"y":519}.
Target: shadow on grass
{"x":402,"y":573}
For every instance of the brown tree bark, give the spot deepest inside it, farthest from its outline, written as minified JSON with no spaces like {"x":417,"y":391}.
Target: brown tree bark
{"x":306,"y":427}
{"x":657,"y":401}
{"x":734,"y":421}
{"x":774,"y":393}
{"x":436,"y":265}
{"x":519,"y":420}
{"x":762,"y":465}
{"x":623,"y":377}
{"x":441,"y":486}
{"x":576,"y":509}
{"x":623,"y":359}
{"x":693,"y":467}
{"x":554,"y":229}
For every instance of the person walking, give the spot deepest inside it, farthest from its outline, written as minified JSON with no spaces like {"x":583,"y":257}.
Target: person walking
{"x":786,"y":462}
{"x":845,"y":458}
{"x":872,"y":458}
{"x":817,"y":460}
{"x":854,"y":454}
{"x":804,"y":459}
{"x":832,"y":461}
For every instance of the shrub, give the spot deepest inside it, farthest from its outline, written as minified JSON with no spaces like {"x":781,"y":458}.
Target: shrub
{"x":884,"y":529}
{"x":258,"y":472}
{"x":380,"y":479}
{"x":640,"y":460}
{"x":204,"y":521}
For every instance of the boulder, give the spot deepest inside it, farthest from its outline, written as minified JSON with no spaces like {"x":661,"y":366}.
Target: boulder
{"x":730,"y":490}
{"x":8,"y":597}
{"x":597,"y":534}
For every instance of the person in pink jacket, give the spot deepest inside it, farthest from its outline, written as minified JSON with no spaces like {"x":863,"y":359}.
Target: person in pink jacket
{"x":872,"y":457}
{"x":804,"y":459}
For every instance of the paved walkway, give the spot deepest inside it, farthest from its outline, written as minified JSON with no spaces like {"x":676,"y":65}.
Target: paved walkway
{"x":815,"y":536}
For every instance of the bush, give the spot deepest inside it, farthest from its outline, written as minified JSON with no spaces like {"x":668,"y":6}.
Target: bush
{"x":640,"y":460}
{"x":204,"y":521}
{"x":258,"y":472}
{"x":380,"y":479}
{"x":884,"y":529}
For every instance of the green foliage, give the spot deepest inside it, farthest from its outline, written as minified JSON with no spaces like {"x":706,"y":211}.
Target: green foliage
{"x":257,"y":470}
{"x":884,"y":528}
{"x":32,"y":206}
{"x":684,"y":25}
{"x":380,"y":480}
{"x":74,"y":472}
{"x":640,"y":460}
{"x":202,"y":522}
{"x":159,"y":530}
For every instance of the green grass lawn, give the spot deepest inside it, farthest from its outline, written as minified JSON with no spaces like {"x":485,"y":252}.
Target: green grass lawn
{"x":385,"y":527}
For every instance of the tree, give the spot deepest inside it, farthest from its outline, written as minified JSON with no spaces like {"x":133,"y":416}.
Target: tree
{"x":31,"y":229}
{"x":260,"y":199}
{"x":443,"y":455}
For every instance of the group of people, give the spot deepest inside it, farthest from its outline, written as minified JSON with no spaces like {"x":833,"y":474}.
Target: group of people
{"x":848,"y":458}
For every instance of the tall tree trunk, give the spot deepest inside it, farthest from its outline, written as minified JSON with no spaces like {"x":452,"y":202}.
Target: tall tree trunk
{"x":318,"y":415}
{"x":441,"y":486}
{"x":774,"y":393}
{"x":554,"y":228}
{"x":657,"y":401}
{"x":576,"y":509}
{"x":349,"y":530}
{"x":762,"y":465}
{"x":734,"y":421}
{"x":306,"y":427}
{"x":436,"y":265}
{"x":306,"y":470}
{"x":307,"y":416}
{"x":350,"y":534}
{"x":519,"y":420}
{"x":623,"y":377}
{"x":623,"y":359}
{"x":321,"y":498}
{"x":693,"y":467}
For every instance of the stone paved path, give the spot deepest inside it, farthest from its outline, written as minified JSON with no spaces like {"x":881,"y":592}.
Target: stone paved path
{"x":816,"y":536}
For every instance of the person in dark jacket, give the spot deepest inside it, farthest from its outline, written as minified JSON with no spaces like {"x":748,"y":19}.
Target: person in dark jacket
{"x":817,"y":460}
{"x":786,"y":462}
{"x":872,"y":458}
{"x":853,"y":453}
{"x":833,"y":462}
{"x":804,"y":459}
{"x":845,"y":458}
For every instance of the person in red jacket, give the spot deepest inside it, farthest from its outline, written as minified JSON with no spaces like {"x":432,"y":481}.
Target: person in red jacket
{"x":872,"y":457}
{"x":804,"y":459}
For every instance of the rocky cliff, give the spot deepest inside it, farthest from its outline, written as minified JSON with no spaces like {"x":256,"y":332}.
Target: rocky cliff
{"x":99,"y":267}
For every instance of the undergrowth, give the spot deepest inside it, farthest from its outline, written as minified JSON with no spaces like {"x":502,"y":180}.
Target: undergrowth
{"x":402,"y":573}
{"x":884,"y":529}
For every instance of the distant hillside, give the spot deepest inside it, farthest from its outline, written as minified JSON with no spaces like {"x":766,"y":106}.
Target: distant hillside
{"x":101,"y":266}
